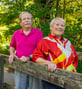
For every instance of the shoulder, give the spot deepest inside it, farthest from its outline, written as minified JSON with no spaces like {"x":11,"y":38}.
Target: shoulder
{"x":47,"y":38}
{"x":17,"y":32}
{"x":37,"y":30}
{"x":43,"y":40}
{"x":42,"y":43}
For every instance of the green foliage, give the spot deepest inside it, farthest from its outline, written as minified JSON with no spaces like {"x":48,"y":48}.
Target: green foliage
{"x":4,"y":49}
{"x":79,"y":68}
{"x":43,"y":12}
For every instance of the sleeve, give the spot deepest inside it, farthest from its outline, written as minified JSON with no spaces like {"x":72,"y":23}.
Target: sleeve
{"x":75,"y":62}
{"x":38,"y":52}
{"x":13,"y":41}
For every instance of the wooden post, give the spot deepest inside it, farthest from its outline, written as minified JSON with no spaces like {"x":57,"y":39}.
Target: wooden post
{"x":1,"y":74}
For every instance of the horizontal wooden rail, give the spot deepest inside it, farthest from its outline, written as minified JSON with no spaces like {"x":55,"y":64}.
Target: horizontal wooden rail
{"x":66,"y":79}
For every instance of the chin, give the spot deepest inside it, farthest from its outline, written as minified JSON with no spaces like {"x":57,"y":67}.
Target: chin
{"x":27,"y":26}
{"x":58,"y":35}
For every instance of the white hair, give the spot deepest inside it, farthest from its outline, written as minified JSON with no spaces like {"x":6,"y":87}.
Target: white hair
{"x":55,"y":19}
{"x":24,"y":13}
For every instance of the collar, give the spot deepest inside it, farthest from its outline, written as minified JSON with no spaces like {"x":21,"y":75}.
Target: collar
{"x":51,"y":37}
{"x":21,"y":31}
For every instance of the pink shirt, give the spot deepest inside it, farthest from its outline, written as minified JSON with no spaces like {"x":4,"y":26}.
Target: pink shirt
{"x":25,"y":44}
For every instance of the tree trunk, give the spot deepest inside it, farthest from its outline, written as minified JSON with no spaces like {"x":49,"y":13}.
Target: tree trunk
{"x":64,"y":9}
{"x":57,"y":8}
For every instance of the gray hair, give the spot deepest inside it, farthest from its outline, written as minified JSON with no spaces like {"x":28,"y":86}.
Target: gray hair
{"x":24,"y":13}
{"x":55,"y":19}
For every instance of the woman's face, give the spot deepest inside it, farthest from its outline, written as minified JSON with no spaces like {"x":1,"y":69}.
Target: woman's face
{"x":58,"y":28}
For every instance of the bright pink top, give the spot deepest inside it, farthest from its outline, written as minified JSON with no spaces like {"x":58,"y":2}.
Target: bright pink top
{"x":25,"y":44}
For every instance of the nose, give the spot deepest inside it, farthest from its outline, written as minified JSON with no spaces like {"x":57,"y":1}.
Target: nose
{"x":60,"y":26}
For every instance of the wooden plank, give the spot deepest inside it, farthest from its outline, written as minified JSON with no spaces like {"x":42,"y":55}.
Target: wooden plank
{"x":58,"y":77}
{"x":66,"y":79}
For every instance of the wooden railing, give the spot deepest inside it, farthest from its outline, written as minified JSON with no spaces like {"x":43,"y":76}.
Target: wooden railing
{"x":65,"y":79}
{"x":1,"y":73}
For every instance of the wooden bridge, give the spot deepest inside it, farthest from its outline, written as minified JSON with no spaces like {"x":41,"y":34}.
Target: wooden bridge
{"x":65,"y":79}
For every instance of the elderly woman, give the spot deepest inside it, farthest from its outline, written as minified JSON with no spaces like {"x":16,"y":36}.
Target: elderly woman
{"x":56,"y":51}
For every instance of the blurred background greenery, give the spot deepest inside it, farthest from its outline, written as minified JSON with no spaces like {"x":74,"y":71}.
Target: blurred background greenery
{"x":43,"y":12}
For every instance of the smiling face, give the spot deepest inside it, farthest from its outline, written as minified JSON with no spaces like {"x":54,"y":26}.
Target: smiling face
{"x":26,"y":20}
{"x":58,"y":27}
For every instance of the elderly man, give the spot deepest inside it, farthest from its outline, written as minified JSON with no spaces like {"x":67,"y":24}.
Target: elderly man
{"x":56,"y":51}
{"x":24,"y":42}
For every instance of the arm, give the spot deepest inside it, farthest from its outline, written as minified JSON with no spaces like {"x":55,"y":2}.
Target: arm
{"x":40,"y":58}
{"x":11,"y":57}
{"x":12,"y":49}
{"x":25,"y":59}
{"x":51,"y":66}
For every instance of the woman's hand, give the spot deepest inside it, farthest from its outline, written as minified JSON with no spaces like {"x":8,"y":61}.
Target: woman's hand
{"x":51,"y":66}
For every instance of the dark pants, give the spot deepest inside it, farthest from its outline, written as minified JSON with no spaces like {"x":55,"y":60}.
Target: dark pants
{"x":47,"y":85}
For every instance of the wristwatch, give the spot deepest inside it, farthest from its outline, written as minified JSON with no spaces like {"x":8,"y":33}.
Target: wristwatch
{"x":30,"y":58}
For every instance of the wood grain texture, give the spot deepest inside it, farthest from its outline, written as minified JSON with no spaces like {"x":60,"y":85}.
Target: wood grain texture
{"x":66,"y":79}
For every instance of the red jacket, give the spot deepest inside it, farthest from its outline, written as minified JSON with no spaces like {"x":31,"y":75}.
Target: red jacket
{"x":61,"y":52}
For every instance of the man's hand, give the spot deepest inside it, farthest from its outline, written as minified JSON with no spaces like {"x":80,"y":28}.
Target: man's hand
{"x":24,"y":59}
{"x":51,"y":66}
{"x":11,"y":57}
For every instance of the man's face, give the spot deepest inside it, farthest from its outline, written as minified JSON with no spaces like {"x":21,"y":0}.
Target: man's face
{"x":26,"y":20}
{"x":58,"y":28}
